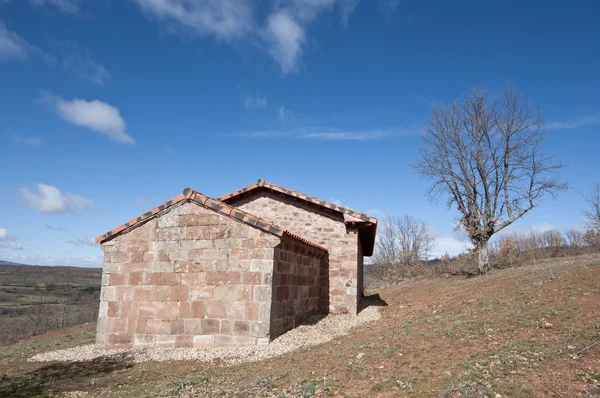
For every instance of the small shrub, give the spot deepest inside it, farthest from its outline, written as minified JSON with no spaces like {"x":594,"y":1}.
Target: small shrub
{"x":308,"y":390}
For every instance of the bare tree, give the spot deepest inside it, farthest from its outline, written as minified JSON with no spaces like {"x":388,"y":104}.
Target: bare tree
{"x":575,"y":237}
{"x":593,"y":212}
{"x":486,"y":155}
{"x":403,"y":241}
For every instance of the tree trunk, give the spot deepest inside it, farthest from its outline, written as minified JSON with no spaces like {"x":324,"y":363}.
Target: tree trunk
{"x":483,"y":259}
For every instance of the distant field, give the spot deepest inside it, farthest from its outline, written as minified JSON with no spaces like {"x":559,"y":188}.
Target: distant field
{"x":38,"y":299}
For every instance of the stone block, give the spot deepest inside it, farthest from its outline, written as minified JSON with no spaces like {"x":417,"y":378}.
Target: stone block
{"x":245,"y":293}
{"x":226,"y":327}
{"x":103,"y":310}
{"x":136,"y":278}
{"x":144,"y":340}
{"x":192,"y":326}
{"x":237,"y":311}
{"x":197,"y":309}
{"x":146,"y":310}
{"x":209,"y":326}
{"x":169,"y":278}
{"x":120,"y":340}
{"x":161,"y":293}
{"x":262,"y":293}
{"x":244,"y":340}
{"x":165,"y":341}
{"x":203,"y":341}
{"x":252,"y":311}
{"x":185,"y":309}
{"x":142,"y":294}
{"x":241,"y":328}
{"x":177,"y":326}
{"x":224,"y":341}
{"x":259,"y":329}
{"x":108,"y":293}
{"x":158,"y":326}
{"x":252,"y":278}
{"x":179,"y":293}
{"x":167,"y":310}
{"x":201,"y":293}
{"x":184,"y":341}
{"x":225,"y":293}
{"x":216,"y":278}
{"x":113,"y":309}
{"x":216,"y":309}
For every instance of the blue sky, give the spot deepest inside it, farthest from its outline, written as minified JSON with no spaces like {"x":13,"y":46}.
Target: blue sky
{"x":109,"y":108}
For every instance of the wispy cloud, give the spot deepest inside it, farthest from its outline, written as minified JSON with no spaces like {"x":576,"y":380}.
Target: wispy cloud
{"x":56,"y":228}
{"x":225,"y":19}
{"x":14,"y":47}
{"x":283,"y":34}
{"x":62,"y":6}
{"x":585,"y":121}
{"x":33,"y":141}
{"x":283,"y":113}
{"x":83,"y":242}
{"x":324,"y":135}
{"x":95,"y":115}
{"x":49,"y":199}
{"x":9,"y":241}
{"x":82,"y":65}
{"x":257,"y":101}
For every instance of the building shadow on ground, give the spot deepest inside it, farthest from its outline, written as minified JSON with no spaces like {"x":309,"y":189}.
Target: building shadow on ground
{"x":373,"y":300}
{"x":58,"y":377}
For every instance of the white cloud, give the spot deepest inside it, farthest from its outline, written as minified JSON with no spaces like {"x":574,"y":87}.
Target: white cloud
{"x":83,"y":242}
{"x":49,"y":199}
{"x":286,"y":38}
{"x":283,"y":34}
{"x":284,"y":114}
{"x":64,"y":6}
{"x":257,"y":101}
{"x":8,"y":241}
{"x":84,"y":67}
{"x":12,"y":46}
{"x":585,"y":121}
{"x":225,"y":19}
{"x":95,"y":115}
{"x":15,"y":245}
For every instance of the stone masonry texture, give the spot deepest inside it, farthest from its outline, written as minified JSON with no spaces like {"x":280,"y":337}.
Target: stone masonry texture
{"x":192,"y":277}
{"x":320,"y":226}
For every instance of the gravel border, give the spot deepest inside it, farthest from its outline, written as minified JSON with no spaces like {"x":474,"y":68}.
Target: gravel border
{"x":308,"y":335}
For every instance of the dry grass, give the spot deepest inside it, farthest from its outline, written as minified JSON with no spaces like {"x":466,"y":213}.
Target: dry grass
{"x":512,"y":332}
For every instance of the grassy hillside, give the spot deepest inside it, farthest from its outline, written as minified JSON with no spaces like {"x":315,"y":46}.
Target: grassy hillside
{"x":526,"y":332}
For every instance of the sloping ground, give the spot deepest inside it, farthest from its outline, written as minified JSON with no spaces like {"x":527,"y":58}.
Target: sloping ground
{"x":532,"y":331}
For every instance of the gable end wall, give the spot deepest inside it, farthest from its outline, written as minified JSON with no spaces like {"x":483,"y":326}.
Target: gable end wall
{"x":321,"y":227}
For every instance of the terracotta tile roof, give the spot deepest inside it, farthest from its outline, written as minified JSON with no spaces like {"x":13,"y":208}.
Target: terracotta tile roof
{"x":277,"y":188}
{"x":218,"y":206}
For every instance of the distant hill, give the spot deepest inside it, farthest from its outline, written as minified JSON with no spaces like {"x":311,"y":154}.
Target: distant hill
{"x":2,"y":262}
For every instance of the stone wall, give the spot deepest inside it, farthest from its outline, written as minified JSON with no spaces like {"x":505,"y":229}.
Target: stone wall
{"x":297,"y":292}
{"x":321,"y":227}
{"x":188,"y":278}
